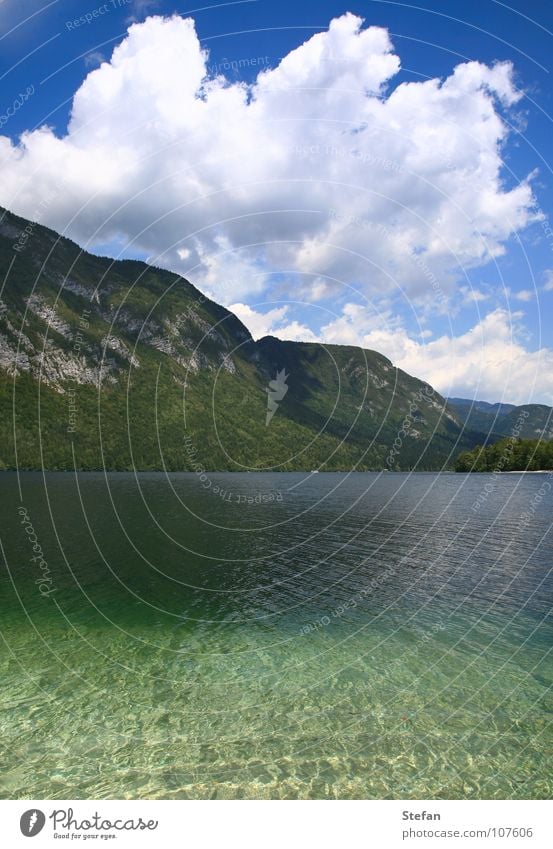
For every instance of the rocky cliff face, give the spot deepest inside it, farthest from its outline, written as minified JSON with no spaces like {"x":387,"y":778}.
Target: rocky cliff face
{"x":146,"y":358}
{"x":67,"y":315}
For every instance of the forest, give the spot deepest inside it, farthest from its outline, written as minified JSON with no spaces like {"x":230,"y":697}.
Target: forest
{"x":508,"y":455}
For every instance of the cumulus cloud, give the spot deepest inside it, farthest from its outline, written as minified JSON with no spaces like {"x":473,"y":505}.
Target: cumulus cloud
{"x":322,"y":177}
{"x":94,"y":58}
{"x":548,"y":276}
{"x":273,"y":323}
{"x":524,"y":295}
{"x":471,"y":296}
{"x":259,"y":323}
{"x":140,"y":8}
{"x":320,"y":168}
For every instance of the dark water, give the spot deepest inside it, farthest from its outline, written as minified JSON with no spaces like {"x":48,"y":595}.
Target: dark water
{"x":276,"y":636}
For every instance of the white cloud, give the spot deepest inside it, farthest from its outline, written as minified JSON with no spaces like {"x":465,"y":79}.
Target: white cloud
{"x":272,"y":323}
{"x":94,"y":58}
{"x":295,"y":331}
{"x":259,"y":324}
{"x":471,"y":296}
{"x":524,"y":295}
{"x":548,"y":285}
{"x":163,"y":155}
{"x":226,"y":273}
{"x":140,"y":8}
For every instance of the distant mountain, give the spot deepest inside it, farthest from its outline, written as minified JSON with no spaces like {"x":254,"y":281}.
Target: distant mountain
{"x":529,"y":421}
{"x":481,"y":406}
{"x":119,"y":365}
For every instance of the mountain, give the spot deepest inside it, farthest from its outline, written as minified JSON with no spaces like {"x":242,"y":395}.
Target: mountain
{"x":481,"y":406}
{"x":529,"y":421}
{"x":120,"y":365}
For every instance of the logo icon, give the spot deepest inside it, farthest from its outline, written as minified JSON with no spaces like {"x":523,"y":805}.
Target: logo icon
{"x":32,"y":822}
{"x":276,"y":391}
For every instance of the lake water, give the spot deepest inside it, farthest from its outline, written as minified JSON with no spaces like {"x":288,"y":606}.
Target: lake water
{"x":276,"y":636}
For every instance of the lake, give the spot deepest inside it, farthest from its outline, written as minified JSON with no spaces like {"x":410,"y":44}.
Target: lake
{"x":276,"y":636}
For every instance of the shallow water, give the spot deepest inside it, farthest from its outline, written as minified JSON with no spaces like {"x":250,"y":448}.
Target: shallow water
{"x":277,"y":636}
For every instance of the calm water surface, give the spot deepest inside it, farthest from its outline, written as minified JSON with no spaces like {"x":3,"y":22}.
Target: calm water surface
{"x":277,"y":636}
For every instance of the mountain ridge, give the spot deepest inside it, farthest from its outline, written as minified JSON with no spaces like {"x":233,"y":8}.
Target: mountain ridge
{"x":529,"y":421}
{"x":112,"y":363}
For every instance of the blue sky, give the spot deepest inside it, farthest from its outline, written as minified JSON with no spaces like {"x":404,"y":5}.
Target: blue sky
{"x":391,"y":190}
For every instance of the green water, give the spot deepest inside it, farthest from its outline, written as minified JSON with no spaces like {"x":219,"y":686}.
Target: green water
{"x":332,"y":636}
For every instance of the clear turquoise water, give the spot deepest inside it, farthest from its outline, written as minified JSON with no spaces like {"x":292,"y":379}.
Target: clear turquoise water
{"x":361,"y":636}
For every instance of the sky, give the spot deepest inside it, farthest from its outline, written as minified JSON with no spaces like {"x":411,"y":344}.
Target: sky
{"x":373,"y":174}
